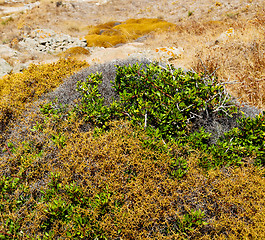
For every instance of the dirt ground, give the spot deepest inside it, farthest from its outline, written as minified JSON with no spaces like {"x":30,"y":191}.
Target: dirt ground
{"x":74,"y":17}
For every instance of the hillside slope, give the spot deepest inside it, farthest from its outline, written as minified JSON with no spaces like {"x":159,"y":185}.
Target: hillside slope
{"x":96,"y":146}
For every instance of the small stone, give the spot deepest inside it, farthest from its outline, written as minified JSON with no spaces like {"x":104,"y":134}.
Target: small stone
{"x":225,"y":36}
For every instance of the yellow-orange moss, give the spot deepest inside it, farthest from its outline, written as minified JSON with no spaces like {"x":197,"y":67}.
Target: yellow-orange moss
{"x":104,"y":41}
{"x":16,"y":90}
{"x":111,"y":34}
{"x":144,"y":26}
{"x":96,"y":29}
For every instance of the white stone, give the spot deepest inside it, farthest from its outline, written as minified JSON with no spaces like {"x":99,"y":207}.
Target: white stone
{"x":7,"y":52}
{"x":225,"y":36}
{"x":5,"y":68}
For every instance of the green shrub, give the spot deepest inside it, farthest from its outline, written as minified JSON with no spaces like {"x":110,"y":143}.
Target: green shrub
{"x":240,"y":144}
{"x":167,"y":100}
{"x":170,"y":105}
{"x":137,"y":178}
{"x":93,"y":106}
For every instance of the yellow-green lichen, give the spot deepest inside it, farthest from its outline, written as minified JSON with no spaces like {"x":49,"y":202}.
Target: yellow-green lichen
{"x":19,"y":89}
{"x":113,"y":33}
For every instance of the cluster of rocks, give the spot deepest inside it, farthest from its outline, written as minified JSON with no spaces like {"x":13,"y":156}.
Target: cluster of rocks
{"x":48,"y":41}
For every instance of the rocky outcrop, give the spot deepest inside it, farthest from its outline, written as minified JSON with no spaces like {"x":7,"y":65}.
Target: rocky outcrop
{"x":15,"y":65}
{"x":48,"y":41}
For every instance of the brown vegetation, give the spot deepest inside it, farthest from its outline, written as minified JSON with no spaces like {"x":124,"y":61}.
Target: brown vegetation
{"x":74,"y":52}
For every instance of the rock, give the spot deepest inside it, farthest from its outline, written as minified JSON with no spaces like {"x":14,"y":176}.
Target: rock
{"x":168,"y":53}
{"x":20,"y":67}
{"x":225,"y":36}
{"x":26,"y":7}
{"x":142,"y":39}
{"x":102,"y":2}
{"x":5,"y":68}
{"x":27,"y":42}
{"x":7,"y":52}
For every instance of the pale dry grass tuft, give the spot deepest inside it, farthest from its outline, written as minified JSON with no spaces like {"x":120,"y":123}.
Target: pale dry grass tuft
{"x":241,"y":59}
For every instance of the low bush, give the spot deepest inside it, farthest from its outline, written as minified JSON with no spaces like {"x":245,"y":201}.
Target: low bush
{"x":172,"y":105}
{"x":167,"y":100}
{"x":242,"y":143}
{"x":113,"y":33}
{"x":110,"y":167}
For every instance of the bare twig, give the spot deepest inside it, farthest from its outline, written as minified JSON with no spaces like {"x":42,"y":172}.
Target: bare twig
{"x":187,"y":107}
{"x":172,"y":73}
{"x":229,"y":145}
{"x":178,"y":107}
{"x":212,"y":97}
{"x":125,"y":113}
{"x":207,"y":113}
{"x":214,"y":72}
{"x":196,"y":115}
{"x":7,"y":149}
{"x":145,"y":120}
{"x":205,"y":68}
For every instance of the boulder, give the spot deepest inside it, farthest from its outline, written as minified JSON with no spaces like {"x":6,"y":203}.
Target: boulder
{"x":169,"y":52}
{"x":7,"y":52}
{"x":5,"y":68}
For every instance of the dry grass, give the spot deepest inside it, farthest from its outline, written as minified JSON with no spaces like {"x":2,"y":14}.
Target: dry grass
{"x":191,"y":36}
{"x":241,"y":59}
{"x":74,"y":28}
